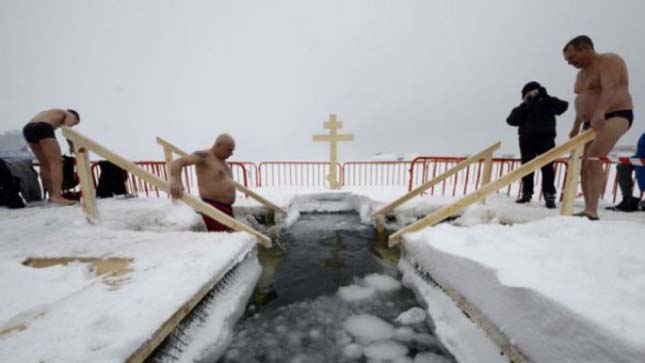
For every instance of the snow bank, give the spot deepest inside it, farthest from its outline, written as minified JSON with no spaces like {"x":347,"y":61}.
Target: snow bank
{"x":76,"y":316}
{"x":562,"y":288}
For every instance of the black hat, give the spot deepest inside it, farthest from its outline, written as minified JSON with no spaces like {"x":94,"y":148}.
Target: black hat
{"x":530,"y":87}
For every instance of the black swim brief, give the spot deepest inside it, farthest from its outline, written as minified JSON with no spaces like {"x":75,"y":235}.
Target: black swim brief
{"x":36,"y":131}
{"x":626,"y":114}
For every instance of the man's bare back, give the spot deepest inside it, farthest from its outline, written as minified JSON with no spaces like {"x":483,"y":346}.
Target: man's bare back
{"x":54,"y":117}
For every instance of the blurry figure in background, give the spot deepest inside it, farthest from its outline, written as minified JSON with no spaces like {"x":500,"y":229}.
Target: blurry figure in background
{"x":535,"y":119}
{"x":39,"y":133}
{"x":214,"y":178}
{"x":626,"y":182}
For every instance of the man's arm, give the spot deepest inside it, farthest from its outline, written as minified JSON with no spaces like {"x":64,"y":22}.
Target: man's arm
{"x":575,"y":130}
{"x":611,"y":73}
{"x":176,"y":188}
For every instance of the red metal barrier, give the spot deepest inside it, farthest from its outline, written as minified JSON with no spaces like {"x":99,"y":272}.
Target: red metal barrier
{"x":136,"y":185}
{"x":364,"y":173}
{"x":375,"y":173}
{"x":296,"y":173}
{"x":426,"y":168}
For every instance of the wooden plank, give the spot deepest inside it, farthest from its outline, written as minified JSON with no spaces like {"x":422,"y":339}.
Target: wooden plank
{"x":420,"y":189}
{"x":333,"y":137}
{"x":88,"y":196}
{"x":139,"y":172}
{"x":488,"y":169}
{"x":172,"y":148}
{"x":571,"y":182}
{"x":490,"y":188}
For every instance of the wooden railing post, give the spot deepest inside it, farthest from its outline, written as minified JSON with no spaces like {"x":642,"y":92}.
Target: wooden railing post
{"x":488,"y":169}
{"x":490,"y":188}
{"x":571,"y":182}
{"x":197,"y":204}
{"x":88,"y":192}
{"x":420,"y":189}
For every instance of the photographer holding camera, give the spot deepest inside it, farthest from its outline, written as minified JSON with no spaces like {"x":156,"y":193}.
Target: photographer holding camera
{"x":535,"y":117}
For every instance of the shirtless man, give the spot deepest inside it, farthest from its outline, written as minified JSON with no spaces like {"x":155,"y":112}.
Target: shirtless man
{"x":604,"y":103}
{"x":214,"y":178}
{"x":39,"y":133}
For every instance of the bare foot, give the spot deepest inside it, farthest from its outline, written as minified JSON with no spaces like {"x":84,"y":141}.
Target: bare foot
{"x":61,"y":200}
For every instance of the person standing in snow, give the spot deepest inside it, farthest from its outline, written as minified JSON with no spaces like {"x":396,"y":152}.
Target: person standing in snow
{"x":39,"y":133}
{"x":603,"y":102}
{"x":535,"y":119}
{"x":214,"y":178}
{"x":630,"y":203}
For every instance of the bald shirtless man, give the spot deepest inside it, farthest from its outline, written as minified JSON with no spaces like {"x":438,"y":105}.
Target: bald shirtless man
{"x":214,"y":178}
{"x":603,"y":102}
{"x":39,"y":133}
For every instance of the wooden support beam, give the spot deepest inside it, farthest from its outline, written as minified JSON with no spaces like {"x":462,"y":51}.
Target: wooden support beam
{"x":170,"y":148}
{"x":88,"y":193}
{"x":488,"y":169}
{"x":571,"y":182}
{"x":139,"y":172}
{"x":490,"y":188}
{"x":459,"y":167}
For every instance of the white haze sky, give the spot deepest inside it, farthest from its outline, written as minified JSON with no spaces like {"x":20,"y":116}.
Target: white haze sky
{"x":433,"y":77}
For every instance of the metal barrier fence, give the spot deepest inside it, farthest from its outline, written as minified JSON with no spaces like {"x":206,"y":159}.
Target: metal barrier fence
{"x":136,"y":185}
{"x":403,"y":174}
{"x":296,"y":173}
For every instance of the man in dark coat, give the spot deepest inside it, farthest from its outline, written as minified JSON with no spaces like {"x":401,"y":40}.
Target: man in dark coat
{"x":535,"y":119}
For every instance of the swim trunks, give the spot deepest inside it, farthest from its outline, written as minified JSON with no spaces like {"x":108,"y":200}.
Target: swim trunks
{"x":36,"y":131}
{"x":626,"y":114}
{"x":213,"y":225}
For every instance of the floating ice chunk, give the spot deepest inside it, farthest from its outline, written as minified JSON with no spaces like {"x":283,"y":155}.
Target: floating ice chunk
{"x":402,"y":360}
{"x":352,"y":351}
{"x":404,"y":334}
{"x":412,"y":316}
{"x":294,"y":339}
{"x":355,"y":293}
{"x":342,"y":338}
{"x":425,"y":340}
{"x":315,"y":334}
{"x":428,"y":357}
{"x":368,"y":328}
{"x":385,"y":350}
{"x":383,"y":283}
{"x":281,"y":329}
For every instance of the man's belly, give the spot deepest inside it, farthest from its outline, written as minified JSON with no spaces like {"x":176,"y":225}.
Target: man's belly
{"x":587,"y":103}
{"x":223,"y":192}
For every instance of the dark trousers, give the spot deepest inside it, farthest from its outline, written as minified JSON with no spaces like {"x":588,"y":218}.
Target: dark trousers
{"x":529,"y":150}
{"x":625,"y":181}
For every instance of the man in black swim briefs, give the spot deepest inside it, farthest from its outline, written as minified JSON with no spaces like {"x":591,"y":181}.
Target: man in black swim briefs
{"x":39,"y":133}
{"x":603,"y":99}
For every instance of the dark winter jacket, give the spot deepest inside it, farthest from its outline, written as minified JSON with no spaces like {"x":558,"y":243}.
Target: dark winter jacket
{"x":536,"y":117}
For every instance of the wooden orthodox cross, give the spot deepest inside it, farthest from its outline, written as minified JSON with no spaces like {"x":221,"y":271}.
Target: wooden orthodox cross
{"x":333,"y":138}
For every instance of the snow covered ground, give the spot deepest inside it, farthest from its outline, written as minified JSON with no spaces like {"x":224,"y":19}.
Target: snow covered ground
{"x":72,"y":315}
{"x":561,"y":288}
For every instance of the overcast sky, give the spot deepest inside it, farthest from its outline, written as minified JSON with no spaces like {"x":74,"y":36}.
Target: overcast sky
{"x":433,"y":77}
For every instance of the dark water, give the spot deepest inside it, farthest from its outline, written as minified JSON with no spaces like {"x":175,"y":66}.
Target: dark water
{"x":296,"y":314}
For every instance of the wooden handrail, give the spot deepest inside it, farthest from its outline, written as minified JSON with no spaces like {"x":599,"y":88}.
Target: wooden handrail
{"x":449,"y":210}
{"x":168,"y":147}
{"x":80,"y":141}
{"x":486,"y":153}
